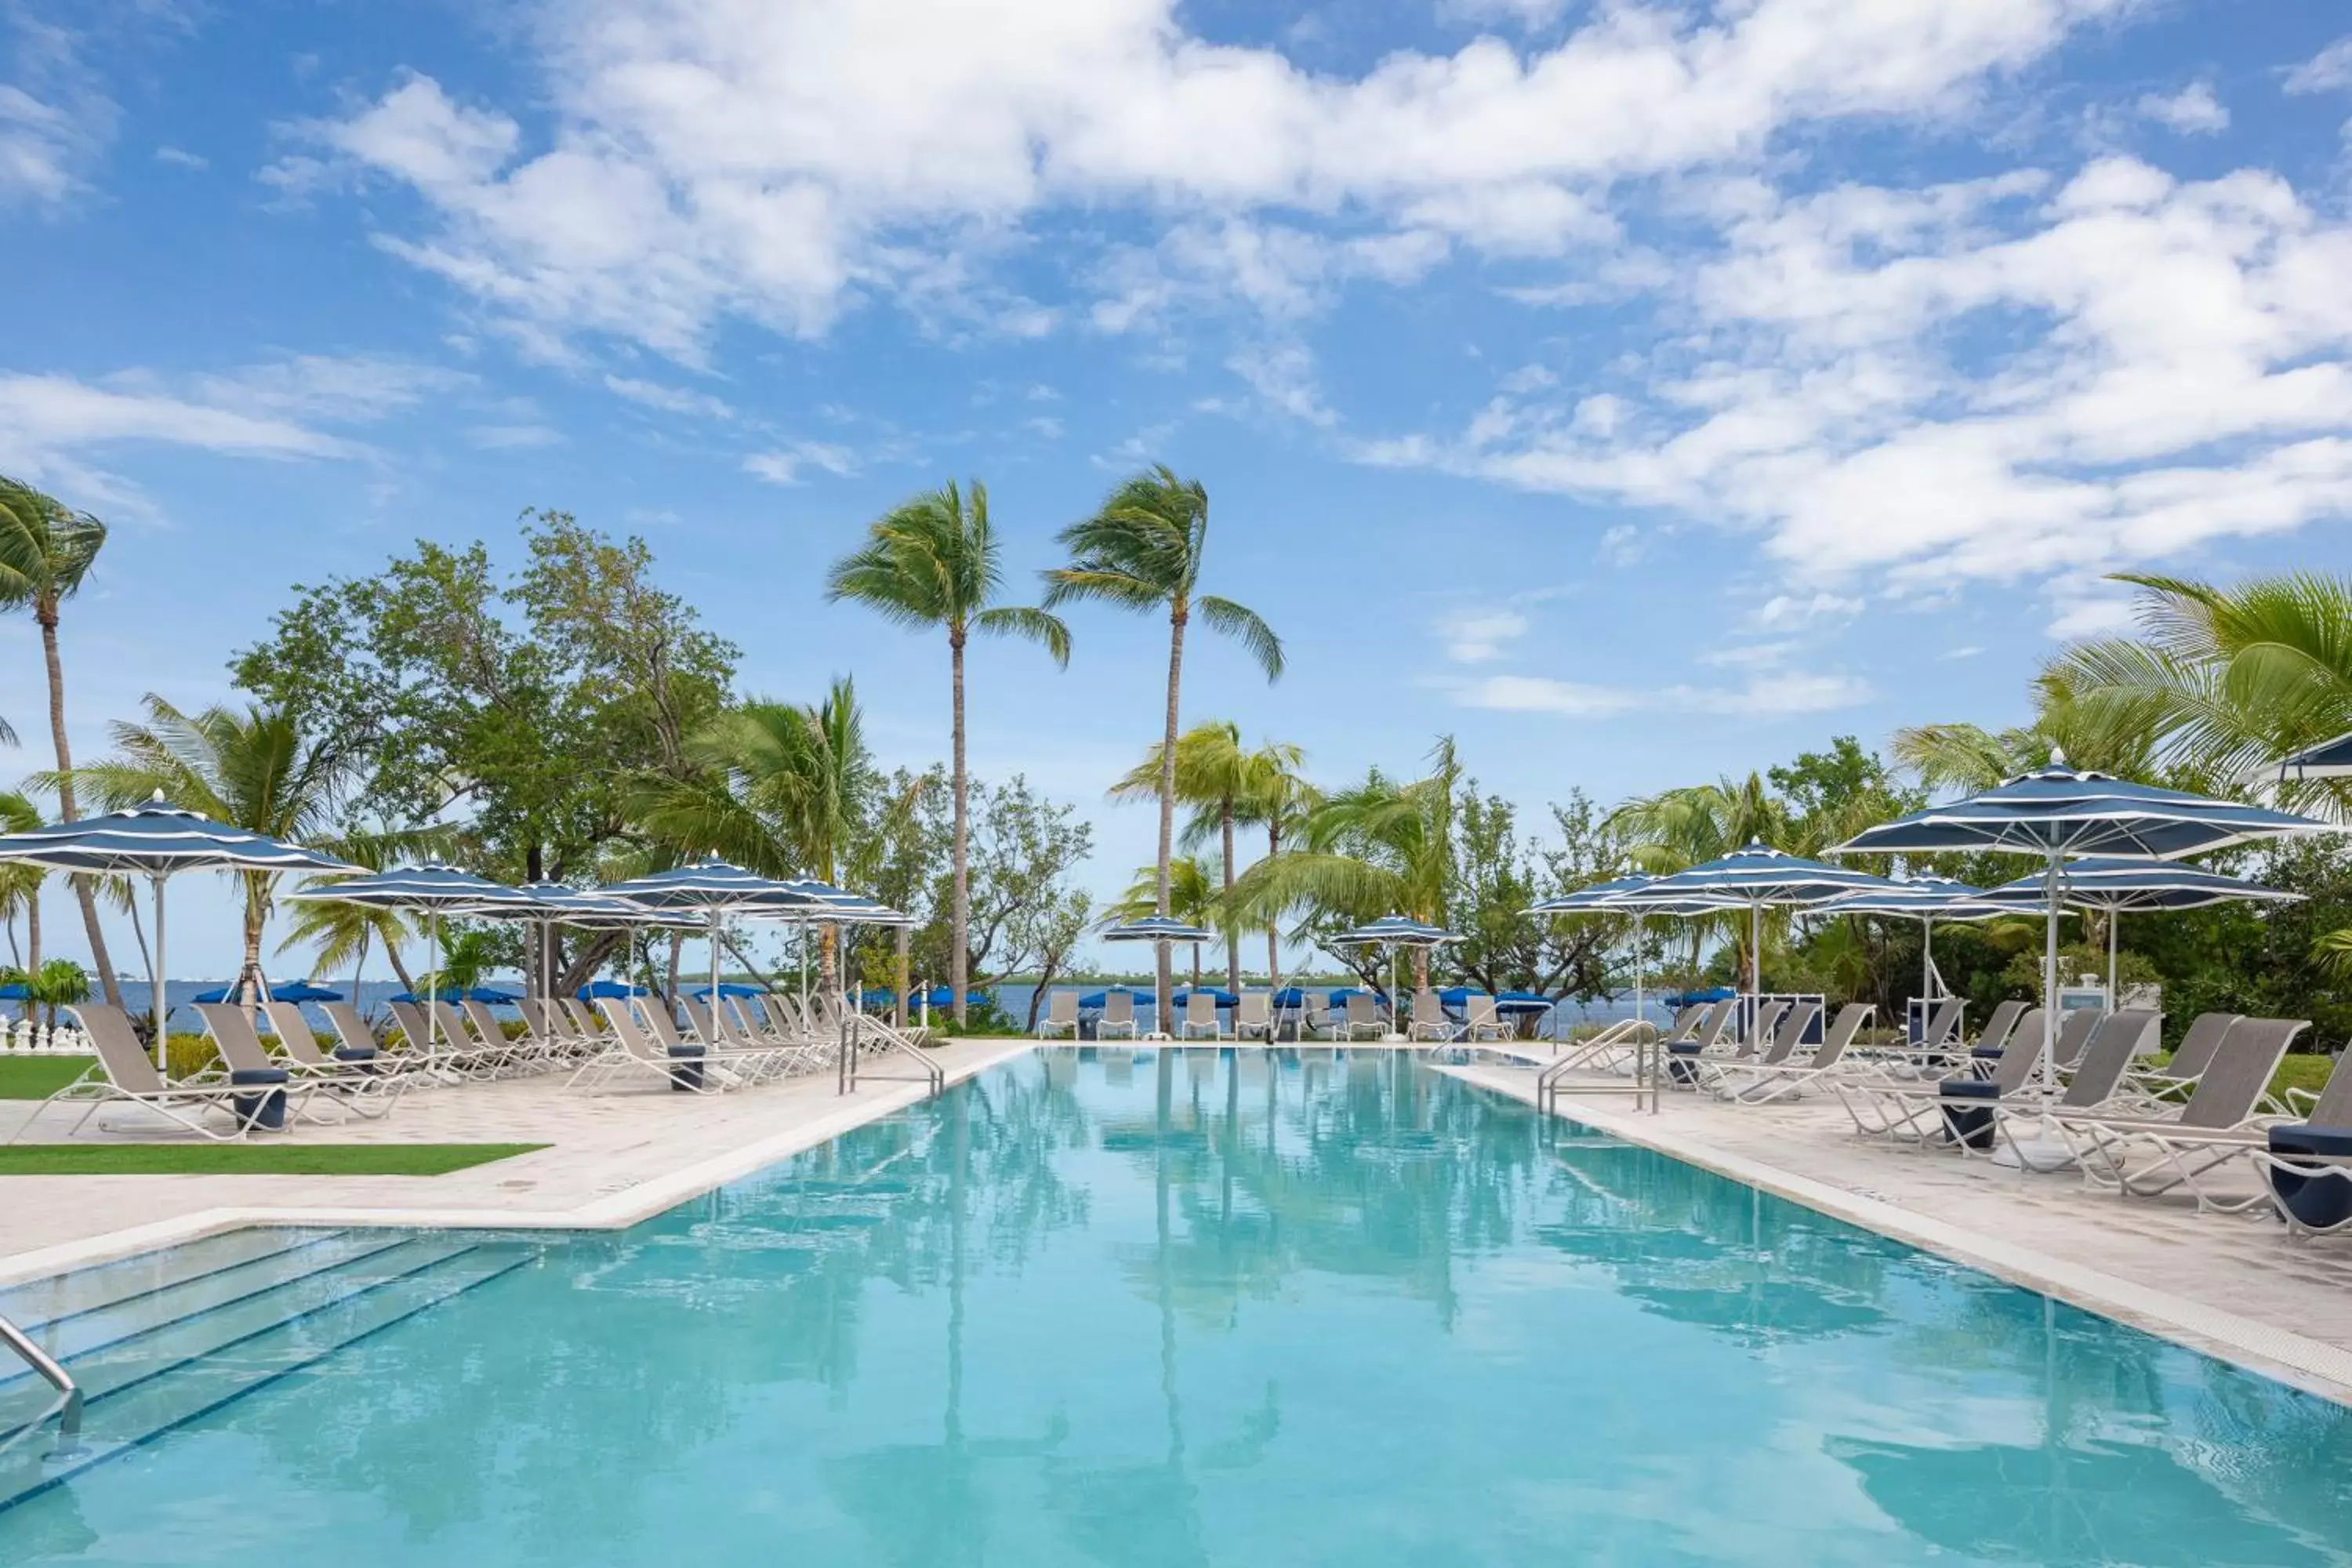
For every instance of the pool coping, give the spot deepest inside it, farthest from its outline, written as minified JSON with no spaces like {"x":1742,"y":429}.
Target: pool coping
{"x":613,"y":1211}
{"x":2280,"y":1355}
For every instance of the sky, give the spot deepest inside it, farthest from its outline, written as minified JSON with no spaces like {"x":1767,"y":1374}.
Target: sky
{"x":1637,"y":392}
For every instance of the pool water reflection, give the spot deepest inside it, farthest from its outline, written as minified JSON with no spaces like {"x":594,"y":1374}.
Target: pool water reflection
{"x":1191,"y":1309}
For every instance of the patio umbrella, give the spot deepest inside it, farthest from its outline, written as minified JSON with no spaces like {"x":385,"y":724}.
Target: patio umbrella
{"x":552,"y":904}
{"x":1759,"y":876}
{"x":1927,"y":900}
{"x":713,"y":889}
{"x":1394,"y":933}
{"x":153,"y":841}
{"x":1634,"y":895}
{"x":2117,"y":884}
{"x":2328,"y":760}
{"x":2059,"y":812}
{"x":612,"y":990}
{"x":1157,"y":929}
{"x":435,"y":889}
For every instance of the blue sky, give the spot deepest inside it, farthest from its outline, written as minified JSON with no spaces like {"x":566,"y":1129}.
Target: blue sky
{"x":1636,"y":393}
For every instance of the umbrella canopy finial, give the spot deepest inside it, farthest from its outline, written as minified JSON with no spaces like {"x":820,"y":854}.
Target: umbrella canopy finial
{"x":2057,"y":756}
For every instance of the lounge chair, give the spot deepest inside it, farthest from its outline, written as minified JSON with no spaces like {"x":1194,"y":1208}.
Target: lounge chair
{"x":428,"y":1038}
{"x":733,"y":1065}
{"x":2172,"y":1082}
{"x":1429,"y":1018}
{"x":1480,"y":1021}
{"x":1254,"y":1015}
{"x":1908,"y":1110}
{"x":1766,"y":1082}
{"x":366,"y":1085}
{"x":122,"y":1074}
{"x":1363,"y":1016}
{"x":2218,"y":1127}
{"x":1061,"y":1015}
{"x":583,"y":1017}
{"x":241,"y":1051}
{"x":2092,"y":1090}
{"x":632,"y":1054}
{"x":351,"y":1027}
{"x":1117,"y":1016}
{"x":483,"y":1043}
{"x":1316,"y":1020}
{"x":2307,"y":1166}
{"x":1199,"y":1013}
{"x":1728,"y":1079}
{"x":1943,"y":1026}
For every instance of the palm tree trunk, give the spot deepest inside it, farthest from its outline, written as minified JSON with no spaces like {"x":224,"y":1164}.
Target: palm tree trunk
{"x":33,"y":931}
{"x":959,"y":904}
{"x":828,"y":964}
{"x":399,"y":967}
{"x":1272,"y":934}
{"x":1163,"y":987}
{"x":47,"y":615}
{"x":1233,"y":933}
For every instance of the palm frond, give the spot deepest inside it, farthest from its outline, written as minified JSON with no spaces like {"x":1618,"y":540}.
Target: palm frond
{"x":1244,"y":626}
{"x":1040,"y":627}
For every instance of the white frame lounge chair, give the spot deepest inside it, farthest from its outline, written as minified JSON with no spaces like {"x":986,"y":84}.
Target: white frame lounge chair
{"x":1254,"y":1015}
{"x":2171,"y":1083}
{"x":366,"y":1087}
{"x":1061,"y":1012}
{"x":1117,"y":1014}
{"x":1729,"y":1079}
{"x":123,"y":1074}
{"x":1910,"y":1110}
{"x":2092,"y":1090}
{"x":1430,"y":1021}
{"x":1199,"y":1013}
{"x":1766,"y":1081}
{"x":1364,"y":1012}
{"x":1482,"y":1019}
{"x":632,"y":1053}
{"x":241,"y":1050}
{"x":2221,"y":1125}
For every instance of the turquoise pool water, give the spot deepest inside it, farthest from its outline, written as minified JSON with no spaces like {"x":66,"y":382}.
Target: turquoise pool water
{"x":1182,"y":1311}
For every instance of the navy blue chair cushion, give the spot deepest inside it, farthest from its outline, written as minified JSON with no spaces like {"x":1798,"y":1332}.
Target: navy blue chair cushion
{"x":355,"y":1053}
{"x":2319,"y":1201}
{"x":243,"y":1077}
{"x":1969,"y":1089}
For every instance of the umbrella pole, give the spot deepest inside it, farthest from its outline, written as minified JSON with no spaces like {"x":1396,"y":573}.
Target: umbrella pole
{"x":2115,"y":918}
{"x":155,"y":988}
{"x":2048,"y":975}
{"x":714,"y":962}
{"x":432,"y":984}
{"x":1755,"y":970}
{"x":1926,"y":958}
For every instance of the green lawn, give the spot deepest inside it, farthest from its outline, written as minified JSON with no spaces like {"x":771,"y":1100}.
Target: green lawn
{"x":38,"y":1078}
{"x":251,"y":1159}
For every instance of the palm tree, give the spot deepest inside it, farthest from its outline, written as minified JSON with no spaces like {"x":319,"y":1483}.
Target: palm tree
{"x":2225,"y":681}
{"x":2110,"y":734}
{"x":1142,"y":552}
{"x":20,"y":885}
{"x":251,"y":769}
{"x":1381,"y":847}
{"x":338,"y":934}
{"x":1224,"y":785}
{"x":935,"y":561}
{"x":1192,"y":897}
{"x":1678,"y":828}
{"x":45,"y":554}
{"x":779,"y":788}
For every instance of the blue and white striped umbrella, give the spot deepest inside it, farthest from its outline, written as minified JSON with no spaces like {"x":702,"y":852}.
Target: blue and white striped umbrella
{"x":1157,"y":928}
{"x":1634,"y":895}
{"x":713,"y":886}
{"x":2328,"y":760}
{"x":2058,"y":812}
{"x":1759,"y":876}
{"x":1393,"y":930}
{"x":1926,"y":899}
{"x":155,"y":841}
{"x":2119,"y":884}
{"x":432,"y":887}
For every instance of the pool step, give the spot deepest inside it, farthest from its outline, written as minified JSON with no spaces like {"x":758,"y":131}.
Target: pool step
{"x":162,"y":1358}
{"x":41,"y":1301}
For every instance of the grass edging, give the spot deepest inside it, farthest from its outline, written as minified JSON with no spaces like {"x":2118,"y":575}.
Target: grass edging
{"x":252,"y":1159}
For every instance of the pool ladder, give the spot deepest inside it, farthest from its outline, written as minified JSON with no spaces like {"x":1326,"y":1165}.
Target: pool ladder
{"x":68,"y":1409}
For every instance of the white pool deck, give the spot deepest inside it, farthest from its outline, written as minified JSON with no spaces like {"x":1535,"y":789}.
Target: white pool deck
{"x":2235,"y":1287}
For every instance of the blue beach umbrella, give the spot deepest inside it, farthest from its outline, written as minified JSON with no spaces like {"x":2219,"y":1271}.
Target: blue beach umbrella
{"x":610,"y":990}
{"x":1635,"y":895}
{"x":489,"y":996}
{"x":154,"y":841}
{"x":2119,"y":884}
{"x":726,"y":988}
{"x":2058,"y":813}
{"x":292,"y":991}
{"x":1223,"y":998}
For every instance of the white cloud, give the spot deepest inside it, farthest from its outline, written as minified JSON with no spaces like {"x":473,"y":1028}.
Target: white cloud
{"x":181,"y":158}
{"x":709,"y":159}
{"x":2325,"y":71}
{"x":55,"y":121}
{"x":785,"y":467}
{"x":2192,"y":112}
{"x":1766,"y":695}
{"x":1476,"y":636}
{"x":1953,"y":654}
{"x":1803,"y":609}
{"x":1994,"y":380}
{"x":53,"y":427}
{"x":1622,"y":544}
{"x":670,"y":399}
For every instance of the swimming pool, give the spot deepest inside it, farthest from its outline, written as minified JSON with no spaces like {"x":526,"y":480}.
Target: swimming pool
{"x":1193,"y":1309}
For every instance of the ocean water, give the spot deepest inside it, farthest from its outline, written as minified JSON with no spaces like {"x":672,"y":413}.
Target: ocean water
{"x":1263,"y":1310}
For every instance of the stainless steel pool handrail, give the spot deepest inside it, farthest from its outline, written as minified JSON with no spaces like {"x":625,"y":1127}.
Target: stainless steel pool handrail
{"x":55,"y":1375}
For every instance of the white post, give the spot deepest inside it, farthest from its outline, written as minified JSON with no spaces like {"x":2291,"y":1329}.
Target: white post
{"x":2043,"y":1068}
{"x":155,"y":985}
{"x":2114,"y":999}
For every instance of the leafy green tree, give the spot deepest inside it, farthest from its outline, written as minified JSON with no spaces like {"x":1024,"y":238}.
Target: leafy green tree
{"x":468,"y":957}
{"x":2109,"y":736}
{"x":936,"y":562}
{"x":1143,"y":552}
{"x":1496,"y":876}
{"x":47,"y":552}
{"x":1024,"y":850}
{"x":520,"y":708}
